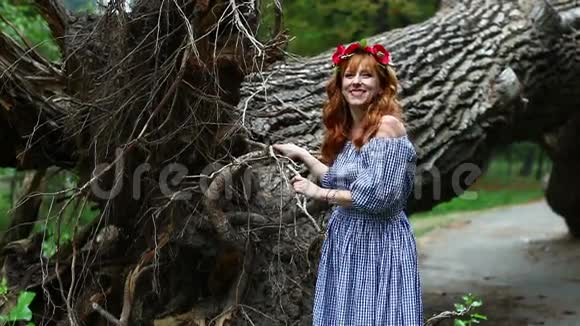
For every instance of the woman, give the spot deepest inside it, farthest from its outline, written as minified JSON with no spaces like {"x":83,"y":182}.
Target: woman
{"x":368,"y":272}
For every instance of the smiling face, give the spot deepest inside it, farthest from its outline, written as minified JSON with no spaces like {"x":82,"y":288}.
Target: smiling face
{"x":360,"y":81}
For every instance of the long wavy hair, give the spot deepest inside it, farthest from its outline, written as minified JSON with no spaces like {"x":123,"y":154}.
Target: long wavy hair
{"x":336,"y":114}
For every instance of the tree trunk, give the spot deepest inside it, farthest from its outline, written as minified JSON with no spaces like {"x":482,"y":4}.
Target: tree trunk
{"x":562,"y":196}
{"x":509,"y":159}
{"x":528,"y":163}
{"x":196,"y":217}
{"x":540,"y":165}
{"x":381,"y":18}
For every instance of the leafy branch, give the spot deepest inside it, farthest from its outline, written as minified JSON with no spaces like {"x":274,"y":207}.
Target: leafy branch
{"x":464,"y":313}
{"x":21,"y":311}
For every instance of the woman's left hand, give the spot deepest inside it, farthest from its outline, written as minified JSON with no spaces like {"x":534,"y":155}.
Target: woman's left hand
{"x":306,"y":187}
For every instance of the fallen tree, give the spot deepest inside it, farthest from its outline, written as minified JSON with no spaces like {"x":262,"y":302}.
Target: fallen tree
{"x":196,"y":222}
{"x":477,"y":76}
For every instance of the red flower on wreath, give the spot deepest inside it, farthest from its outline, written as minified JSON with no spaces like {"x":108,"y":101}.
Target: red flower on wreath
{"x":337,"y":54}
{"x":378,"y":51}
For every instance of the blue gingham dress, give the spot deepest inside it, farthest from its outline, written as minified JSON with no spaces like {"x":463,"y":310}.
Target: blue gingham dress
{"x":368,"y":274}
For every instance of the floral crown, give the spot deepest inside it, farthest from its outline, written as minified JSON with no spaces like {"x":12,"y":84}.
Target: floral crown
{"x":381,"y":55}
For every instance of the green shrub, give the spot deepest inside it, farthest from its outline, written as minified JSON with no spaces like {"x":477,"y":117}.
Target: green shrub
{"x":29,"y":23}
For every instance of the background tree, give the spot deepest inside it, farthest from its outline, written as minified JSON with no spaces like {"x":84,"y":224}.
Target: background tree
{"x":321,"y":25}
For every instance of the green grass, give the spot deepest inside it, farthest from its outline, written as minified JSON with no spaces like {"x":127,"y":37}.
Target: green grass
{"x":483,"y":199}
{"x":496,"y":188}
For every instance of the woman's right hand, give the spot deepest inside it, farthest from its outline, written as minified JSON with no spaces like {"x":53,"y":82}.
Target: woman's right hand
{"x":290,"y":150}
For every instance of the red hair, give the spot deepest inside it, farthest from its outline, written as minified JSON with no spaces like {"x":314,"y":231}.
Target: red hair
{"x":336,"y":114}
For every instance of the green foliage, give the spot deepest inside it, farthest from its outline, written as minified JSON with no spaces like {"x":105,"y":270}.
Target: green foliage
{"x":467,"y":307}
{"x":21,"y":311}
{"x":320,"y":25}
{"x":53,"y":209}
{"x":7,"y":171}
{"x":54,"y":236}
{"x":5,"y":201}
{"x":509,"y":162}
{"x":4,"y":208}
{"x":4,"y":287}
{"x":403,"y":12}
{"x":29,"y":23}
{"x":55,"y":233}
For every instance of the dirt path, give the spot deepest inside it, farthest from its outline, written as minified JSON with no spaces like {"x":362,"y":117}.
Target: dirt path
{"x":519,"y":260}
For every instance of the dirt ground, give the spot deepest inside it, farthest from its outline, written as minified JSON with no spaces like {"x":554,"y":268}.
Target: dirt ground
{"x":519,"y":260}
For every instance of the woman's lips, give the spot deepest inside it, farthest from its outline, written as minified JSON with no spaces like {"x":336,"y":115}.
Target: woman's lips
{"x":357,"y":92}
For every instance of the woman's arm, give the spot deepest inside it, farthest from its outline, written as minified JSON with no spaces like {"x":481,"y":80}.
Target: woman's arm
{"x":317,"y":168}
{"x":333,"y":196}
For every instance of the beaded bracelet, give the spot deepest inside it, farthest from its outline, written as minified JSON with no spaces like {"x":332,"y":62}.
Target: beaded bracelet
{"x":333,"y":199}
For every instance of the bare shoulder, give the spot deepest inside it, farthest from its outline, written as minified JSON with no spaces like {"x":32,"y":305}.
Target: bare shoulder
{"x":391,"y":127}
